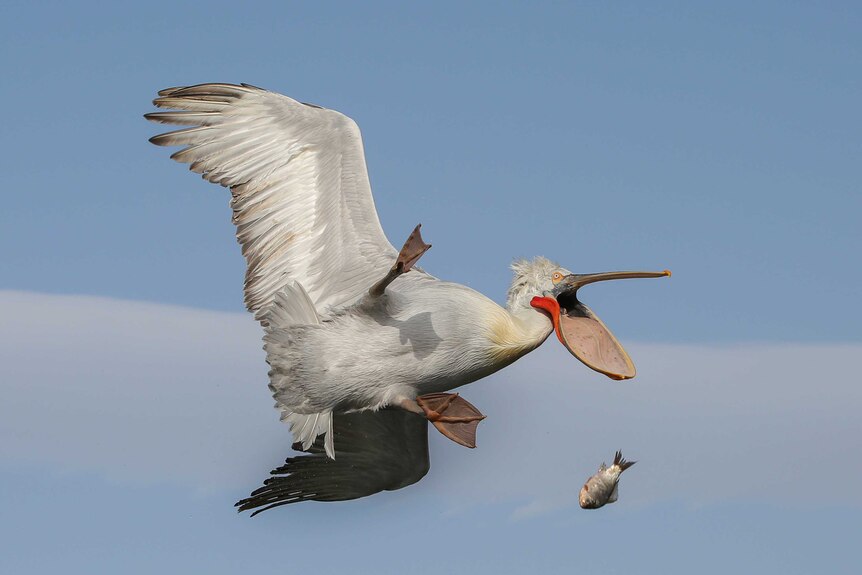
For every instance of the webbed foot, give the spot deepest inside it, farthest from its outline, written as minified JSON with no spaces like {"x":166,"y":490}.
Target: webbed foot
{"x":453,"y":416}
{"x":410,"y":253}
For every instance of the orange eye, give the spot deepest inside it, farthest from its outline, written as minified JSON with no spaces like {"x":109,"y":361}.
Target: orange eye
{"x":556,"y":277}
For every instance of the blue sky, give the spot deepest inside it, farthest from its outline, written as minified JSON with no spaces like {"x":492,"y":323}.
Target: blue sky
{"x":721,"y":142}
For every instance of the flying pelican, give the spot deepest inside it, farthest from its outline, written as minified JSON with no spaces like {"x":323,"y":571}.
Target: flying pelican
{"x":362,"y":345}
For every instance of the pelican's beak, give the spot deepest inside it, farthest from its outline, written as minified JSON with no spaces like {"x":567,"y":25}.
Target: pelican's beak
{"x":581,"y":331}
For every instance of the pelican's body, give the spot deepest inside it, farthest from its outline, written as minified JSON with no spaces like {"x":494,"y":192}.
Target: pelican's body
{"x":358,"y":347}
{"x":423,"y":336}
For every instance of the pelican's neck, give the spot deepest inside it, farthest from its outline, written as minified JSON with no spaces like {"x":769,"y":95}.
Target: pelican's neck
{"x":533,"y":323}
{"x":518,"y":331}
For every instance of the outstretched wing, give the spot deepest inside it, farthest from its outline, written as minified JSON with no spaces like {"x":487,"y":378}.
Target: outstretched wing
{"x":377,"y":450}
{"x":301,"y":197}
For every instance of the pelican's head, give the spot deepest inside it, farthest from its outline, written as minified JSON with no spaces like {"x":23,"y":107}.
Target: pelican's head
{"x":553,"y":290}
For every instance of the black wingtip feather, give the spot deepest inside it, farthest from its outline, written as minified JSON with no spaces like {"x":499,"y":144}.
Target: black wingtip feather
{"x":382,"y":450}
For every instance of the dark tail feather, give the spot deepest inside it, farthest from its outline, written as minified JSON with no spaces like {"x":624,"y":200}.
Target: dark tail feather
{"x":621,"y":462}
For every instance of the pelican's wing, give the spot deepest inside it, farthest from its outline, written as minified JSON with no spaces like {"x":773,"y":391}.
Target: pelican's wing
{"x":301,"y":197}
{"x":375,"y":451}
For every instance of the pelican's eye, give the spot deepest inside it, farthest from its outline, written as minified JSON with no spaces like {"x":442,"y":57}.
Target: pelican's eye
{"x":556,"y":277}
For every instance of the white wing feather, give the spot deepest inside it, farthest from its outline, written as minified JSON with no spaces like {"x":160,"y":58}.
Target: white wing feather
{"x":301,"y":201}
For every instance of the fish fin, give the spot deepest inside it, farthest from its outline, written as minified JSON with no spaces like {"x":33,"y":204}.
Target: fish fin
{"x":620,"y":461}
{"x":614,"y":494}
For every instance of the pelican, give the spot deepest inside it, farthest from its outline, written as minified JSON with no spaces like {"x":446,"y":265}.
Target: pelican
{"x":363,"y":345}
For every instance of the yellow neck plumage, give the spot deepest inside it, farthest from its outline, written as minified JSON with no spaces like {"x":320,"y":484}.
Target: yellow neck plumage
{"x":511,"y":335}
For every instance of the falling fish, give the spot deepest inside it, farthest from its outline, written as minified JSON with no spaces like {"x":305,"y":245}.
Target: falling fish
{"x":601,"y":488}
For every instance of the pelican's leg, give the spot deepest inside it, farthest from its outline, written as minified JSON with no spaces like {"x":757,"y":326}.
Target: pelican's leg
{"x":451,"y":414}
{"x":413,"y":249}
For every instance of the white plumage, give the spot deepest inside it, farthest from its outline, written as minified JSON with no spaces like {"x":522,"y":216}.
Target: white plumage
{"x":301,"y":198}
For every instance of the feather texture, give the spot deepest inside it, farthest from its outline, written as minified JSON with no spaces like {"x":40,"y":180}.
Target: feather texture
{"x":301,"y":197}
{"x":378,"y":450}
{"x":292,"y":306}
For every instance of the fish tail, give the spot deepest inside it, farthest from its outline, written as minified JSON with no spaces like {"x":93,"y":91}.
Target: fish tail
{"x":620,"y":462}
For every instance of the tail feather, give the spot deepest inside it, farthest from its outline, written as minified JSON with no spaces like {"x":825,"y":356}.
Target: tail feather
{"x":293,"y":306}
{"x":305,"y":428}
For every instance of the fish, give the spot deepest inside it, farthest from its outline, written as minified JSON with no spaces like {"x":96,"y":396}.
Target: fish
{"x":602,"y":488}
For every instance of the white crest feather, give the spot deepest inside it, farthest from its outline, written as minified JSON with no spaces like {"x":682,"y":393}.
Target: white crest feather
{"x":531,"y":278}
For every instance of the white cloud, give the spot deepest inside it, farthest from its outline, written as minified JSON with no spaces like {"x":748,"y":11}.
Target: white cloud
{"x":135,"y":390}
{"x":154,"y":393}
